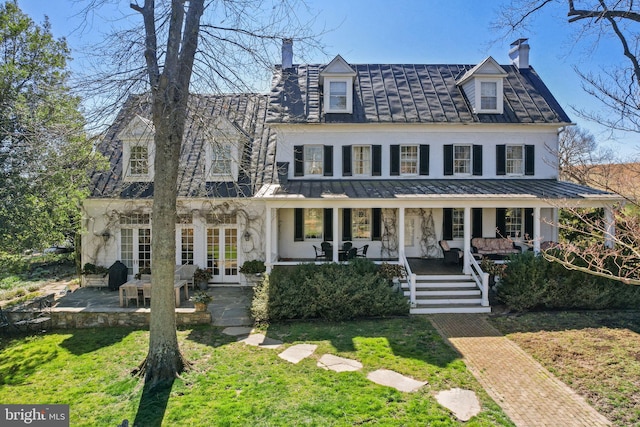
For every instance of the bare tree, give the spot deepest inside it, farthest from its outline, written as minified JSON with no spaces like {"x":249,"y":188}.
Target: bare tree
{"x":213,"y":46}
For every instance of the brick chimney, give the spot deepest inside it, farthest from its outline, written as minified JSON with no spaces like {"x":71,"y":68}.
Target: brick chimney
{"x":287,"y":54}
{"x":519,"y":53}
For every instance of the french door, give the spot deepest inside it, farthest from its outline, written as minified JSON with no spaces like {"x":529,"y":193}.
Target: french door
{"x":222,"y":253}
{"x":135,"y":249}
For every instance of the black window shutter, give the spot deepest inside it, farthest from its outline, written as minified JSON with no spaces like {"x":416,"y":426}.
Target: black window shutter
{"x":346,"y":160}
{"x":346,"y":224}
{"x":447,"y":224}
{"x":328,"y":224}
{"x":376,"y":158}
{"x":477,"y":159}
{"x":501,"y":159}
{"x":529,"y":159}
{"x":501,"y":214}
{"x":424,"y":160}
{"x":476,"y":222}
{"x":328,"y":160}
{"x":376,"y":224}
{"x":448,"y":159}
{"x":298,"y":225}
{"x":528,"y":223}
{"x":298,"y":160}
{"x":395,"y":160}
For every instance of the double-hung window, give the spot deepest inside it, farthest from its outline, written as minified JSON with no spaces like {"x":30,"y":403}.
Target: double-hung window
{"x":488,"y":95}
{"x":462,"y":159}
{"x":408,"y":159}
{"x":361,"y":224}
{"x":313,"y":159}
{"x":337,"y":96}
{"x":313,"y":225}
{"x":221,"y":160}
{"x":514,"y":159}
{"x":513,"y":222}
{"x":457,"y":223}
{"x":362,"y":160}
{"x":139,"y":160}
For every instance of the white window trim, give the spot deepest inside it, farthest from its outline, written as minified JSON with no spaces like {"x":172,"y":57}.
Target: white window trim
{"x":354,"y":224}
{"x":417,"y":160}
{"x":353,"y":161}
{"x":305,"y":161}
{"x":327,"y":95}
{"x":520,"y":231}
{"x":506,"y":160}
{"x":127,"y":176}
{"x":221,"y":177}
{"x":470,"y":147}
{"x":459,"y":212}
{"x":499,"y":95}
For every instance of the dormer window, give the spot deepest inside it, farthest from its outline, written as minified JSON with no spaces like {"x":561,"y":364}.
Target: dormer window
{"x":137,"y":150}
{"x":221,"y":164}
{"x":337,"y":80}
{"x":483,"y":87}
{"x":139,"y":160}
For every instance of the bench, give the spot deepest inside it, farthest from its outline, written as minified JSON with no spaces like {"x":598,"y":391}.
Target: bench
{"x":495,"y":248}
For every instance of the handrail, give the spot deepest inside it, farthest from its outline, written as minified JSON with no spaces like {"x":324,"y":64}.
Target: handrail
{"x":411,"y":278}
{"x":481,"y":278}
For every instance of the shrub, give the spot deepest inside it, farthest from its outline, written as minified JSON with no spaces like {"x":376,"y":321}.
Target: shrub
{"x":329,"y":291}
{"x":255,"y":266}
{"x":531,"y":282}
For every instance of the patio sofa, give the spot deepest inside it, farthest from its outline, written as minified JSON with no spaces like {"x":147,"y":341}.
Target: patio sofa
{"x":494,"y":247}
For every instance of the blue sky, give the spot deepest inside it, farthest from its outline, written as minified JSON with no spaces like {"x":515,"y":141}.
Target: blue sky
{"x":417,"y":31}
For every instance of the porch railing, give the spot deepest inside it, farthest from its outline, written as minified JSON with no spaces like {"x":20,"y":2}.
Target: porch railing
{"x":481,"y":278}
{"x":411,"y":279}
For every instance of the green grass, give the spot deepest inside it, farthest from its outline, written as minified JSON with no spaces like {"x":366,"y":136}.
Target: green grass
{"x":232,"y":384}
{"x":596,"y":353}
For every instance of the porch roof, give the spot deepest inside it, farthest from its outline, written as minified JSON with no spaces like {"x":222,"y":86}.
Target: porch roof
{"x":434,"y":188}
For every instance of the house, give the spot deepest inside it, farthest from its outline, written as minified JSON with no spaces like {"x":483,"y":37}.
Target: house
{"x":393,"y":156}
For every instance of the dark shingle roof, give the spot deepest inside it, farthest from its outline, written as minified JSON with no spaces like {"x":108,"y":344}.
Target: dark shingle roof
{"x":395,"y":93}
{"x":245,"y":112}
{"x":442,"y":188}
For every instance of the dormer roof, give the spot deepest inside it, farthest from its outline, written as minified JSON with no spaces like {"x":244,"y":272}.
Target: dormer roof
{"x":137,"y":128}
{"x":338,"y":67}
{"x":487,"y":68}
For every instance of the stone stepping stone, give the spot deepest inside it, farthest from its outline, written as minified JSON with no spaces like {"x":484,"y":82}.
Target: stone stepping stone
{"x":395,"y":380}
{"x":338,"y":364}
{"x":259,"y":340}
{"x":463,"y":403}
{"x":236,"y":331}
{"x":298,"y":352}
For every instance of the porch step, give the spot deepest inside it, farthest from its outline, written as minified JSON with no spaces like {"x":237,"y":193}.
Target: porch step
{"x":446,"y":294}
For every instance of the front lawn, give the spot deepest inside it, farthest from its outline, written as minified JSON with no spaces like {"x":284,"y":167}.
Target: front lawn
{"x":596,"y":353}
{"x":232,"y":384}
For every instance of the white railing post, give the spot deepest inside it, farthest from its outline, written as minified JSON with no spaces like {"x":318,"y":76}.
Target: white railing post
{"x":412,"y":289}
{"x":485,"y":289}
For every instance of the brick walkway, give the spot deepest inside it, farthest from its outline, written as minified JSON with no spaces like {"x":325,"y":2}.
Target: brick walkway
{"x":528,"y":393}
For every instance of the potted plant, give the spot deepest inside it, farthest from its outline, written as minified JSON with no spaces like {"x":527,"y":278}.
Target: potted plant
{"x":202,"y":276}
{"x":392,"y":273}
{"x":200,"y":300}
{"x":494,"y":270}
{"x":95,"y":275}
{"x":253,"y":271}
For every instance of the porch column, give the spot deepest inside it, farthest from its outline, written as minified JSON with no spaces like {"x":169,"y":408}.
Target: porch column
{"x":610,"y":230}
{"x":401,"y":232}
{"x":336,"y":234}
{"x":466,"y":269}
{"x":268,"y":256}
{"x":536,"y":230}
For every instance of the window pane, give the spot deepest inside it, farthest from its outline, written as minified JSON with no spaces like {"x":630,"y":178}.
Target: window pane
{"x":515,"y":159}
{"x":313,"y":223}
{"x":138,"y":160}
{"x":458,"y":223}
{"x":313,"y":159}
{"x":513,"y":222}
{"x":221,"y":160}
{"x":361,"y":221}
{"x":362,"y":160}
{"x":409,"y":159}
{"x":337,"y":95}
{"x":462,"y":159}
{"x":488,"y":95}
{"x":186,"y":249}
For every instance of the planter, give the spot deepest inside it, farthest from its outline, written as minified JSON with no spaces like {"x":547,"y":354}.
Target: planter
{"x":203,"y":285}
{"x":96,"y":280}
{"x":253,"y":279}
{"x":200,"y":306}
